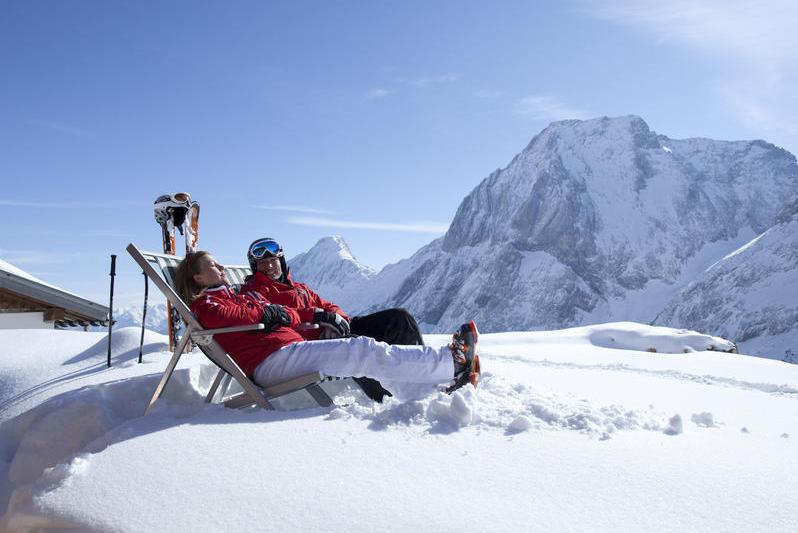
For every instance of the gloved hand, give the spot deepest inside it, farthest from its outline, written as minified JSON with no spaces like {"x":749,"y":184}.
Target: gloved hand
{"x":334,"y":321}
{"x":328,"y":331}
{"x":274,"y":316}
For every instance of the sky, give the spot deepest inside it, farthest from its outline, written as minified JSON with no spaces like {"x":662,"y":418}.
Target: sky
{"x":369,"y":120}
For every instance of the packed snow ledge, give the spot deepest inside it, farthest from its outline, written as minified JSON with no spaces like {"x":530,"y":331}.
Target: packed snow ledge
{"x":611,"y":427}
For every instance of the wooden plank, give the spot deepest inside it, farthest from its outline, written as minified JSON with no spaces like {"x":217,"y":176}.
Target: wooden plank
{"x":293,"y":384}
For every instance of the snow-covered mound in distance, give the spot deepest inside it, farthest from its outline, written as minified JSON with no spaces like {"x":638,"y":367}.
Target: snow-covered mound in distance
{"x":558,"y":414}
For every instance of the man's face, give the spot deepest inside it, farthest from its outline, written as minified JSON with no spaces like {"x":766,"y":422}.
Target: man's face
{"x":270,"y":266}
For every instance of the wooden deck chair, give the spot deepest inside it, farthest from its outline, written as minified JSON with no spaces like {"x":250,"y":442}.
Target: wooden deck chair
{"x":316,"y":387}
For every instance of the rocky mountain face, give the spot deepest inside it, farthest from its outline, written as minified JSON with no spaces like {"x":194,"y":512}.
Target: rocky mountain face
{"x":604,"y":220}
{"x":751,"y":295}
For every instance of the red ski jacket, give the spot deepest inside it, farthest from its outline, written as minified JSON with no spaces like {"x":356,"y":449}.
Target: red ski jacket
{"x":221,"y":307}
{"x":294,"y":295}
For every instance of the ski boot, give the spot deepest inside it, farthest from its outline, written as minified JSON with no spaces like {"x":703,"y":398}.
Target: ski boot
{"x":466,"y":360}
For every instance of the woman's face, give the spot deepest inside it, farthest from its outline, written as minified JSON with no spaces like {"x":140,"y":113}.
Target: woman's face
{"x":270,"y":266}
{"x":210,"y":272}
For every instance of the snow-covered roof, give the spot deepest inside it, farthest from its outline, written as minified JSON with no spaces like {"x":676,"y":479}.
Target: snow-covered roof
{"x":22,"y":284}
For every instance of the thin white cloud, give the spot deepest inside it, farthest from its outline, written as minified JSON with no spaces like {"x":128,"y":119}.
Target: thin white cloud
{"x":69,"y":205}
{"x":758,"y":31}
{"x":349,"y":224}
{"x":32,"y":257}
{"x":546,"y":107}
{"x":44,"y":205}
{"x":105,"y":234}
{"x":755,"y":41}
{"x":63,"y":128}
{"x":375,"y":94}
{"x":488,"y":94}
{"x":427,"y":81}
{"x":419,"y":82}
{"x":77,"y":234}
{"x":294,"y":208}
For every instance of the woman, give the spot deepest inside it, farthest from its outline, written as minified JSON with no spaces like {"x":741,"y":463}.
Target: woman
{"x":279,"y":353}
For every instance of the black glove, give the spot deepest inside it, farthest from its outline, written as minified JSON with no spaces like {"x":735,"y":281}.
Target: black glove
{"x":274,"y":316}
{"x":332,"y":320}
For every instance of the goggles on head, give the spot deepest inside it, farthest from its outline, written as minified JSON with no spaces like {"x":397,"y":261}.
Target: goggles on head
{"x":177,"y":198}
{"x":265,"y":248}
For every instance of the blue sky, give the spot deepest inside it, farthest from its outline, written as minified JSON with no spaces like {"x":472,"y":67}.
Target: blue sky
{"x":371,"y":120}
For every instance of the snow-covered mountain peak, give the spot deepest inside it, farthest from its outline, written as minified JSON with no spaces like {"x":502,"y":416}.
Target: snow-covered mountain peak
{"x":328,"y":253}
{"x":335,"y":246}
{"x":597,"y":191}
{"x":330,"y":269}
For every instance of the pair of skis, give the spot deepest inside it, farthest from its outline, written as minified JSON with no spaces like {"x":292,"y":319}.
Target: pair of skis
{"x":177,"y":211}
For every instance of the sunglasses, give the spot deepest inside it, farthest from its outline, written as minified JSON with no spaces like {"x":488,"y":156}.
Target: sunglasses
{"x":262,"y":249}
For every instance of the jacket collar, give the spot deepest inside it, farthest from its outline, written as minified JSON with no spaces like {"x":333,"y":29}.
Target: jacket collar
{"x":218,"y":288}
{"x":259,"y":277}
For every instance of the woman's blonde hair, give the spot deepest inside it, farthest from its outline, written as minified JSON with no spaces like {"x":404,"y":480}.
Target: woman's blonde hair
{"x":185,"y":286}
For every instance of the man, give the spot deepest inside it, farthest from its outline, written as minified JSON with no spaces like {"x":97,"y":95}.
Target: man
{"x":272,"y":280}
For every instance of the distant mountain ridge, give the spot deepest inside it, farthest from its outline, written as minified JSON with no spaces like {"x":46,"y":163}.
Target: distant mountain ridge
{"x":603,"y":220}
{"x":131,"y":316}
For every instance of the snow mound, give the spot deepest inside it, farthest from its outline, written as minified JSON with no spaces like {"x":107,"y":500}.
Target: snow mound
{"x":39,"y":364}
{"x":124,"y":345}
{"x":655,"y":339}
{"x":90,"y":419}
{"x":675,"y":425}
{"x":704,"y":420}
{"x":507,"y":406}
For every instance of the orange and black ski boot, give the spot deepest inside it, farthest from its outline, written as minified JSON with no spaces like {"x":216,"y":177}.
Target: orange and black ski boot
{"x":466,"y":360}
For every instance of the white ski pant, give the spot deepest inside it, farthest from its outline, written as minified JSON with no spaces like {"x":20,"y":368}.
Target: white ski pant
{"x":357,"y":356}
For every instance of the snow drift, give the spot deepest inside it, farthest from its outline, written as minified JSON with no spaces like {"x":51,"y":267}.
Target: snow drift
{"x":573,"y":421}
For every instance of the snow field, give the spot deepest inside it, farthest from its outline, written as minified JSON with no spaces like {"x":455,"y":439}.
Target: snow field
{"x":564,"y":433}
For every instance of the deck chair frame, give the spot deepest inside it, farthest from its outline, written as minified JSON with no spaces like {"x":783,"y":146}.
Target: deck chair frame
{"x":228,"y":369}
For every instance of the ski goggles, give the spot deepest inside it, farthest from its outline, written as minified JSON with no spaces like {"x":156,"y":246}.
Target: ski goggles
{"x":178,"y":198}
{"x":265,"y":248}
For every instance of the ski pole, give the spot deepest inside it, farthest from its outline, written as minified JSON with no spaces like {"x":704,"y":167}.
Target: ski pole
{"x":111,"y":307}
{"x":143,"y":314}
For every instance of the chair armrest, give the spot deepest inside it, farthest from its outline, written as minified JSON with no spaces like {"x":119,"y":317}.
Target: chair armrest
{"x":231,"y":329}
{"x":204,"y":336}
{"x":304,"y":326}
